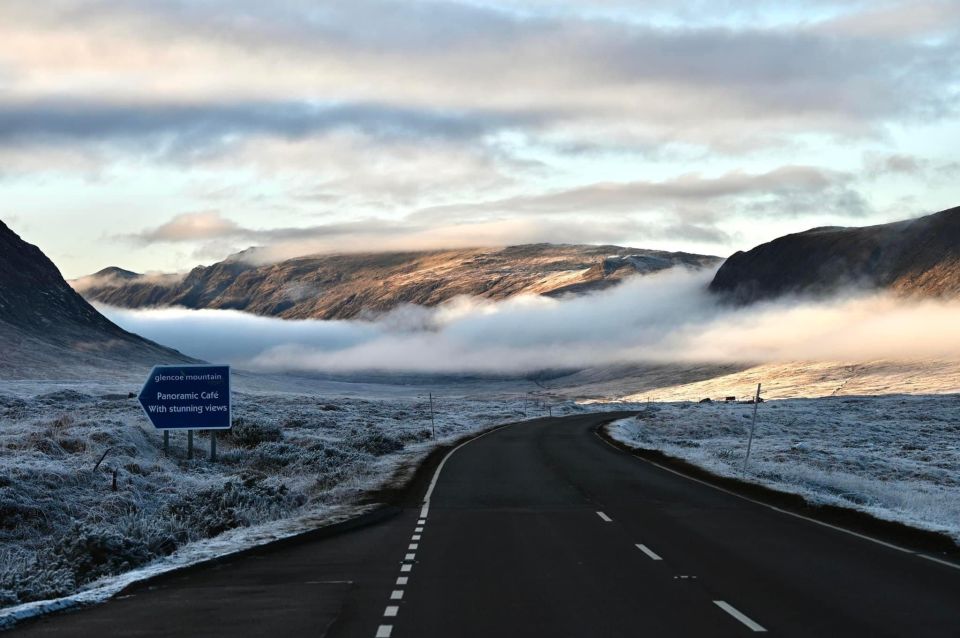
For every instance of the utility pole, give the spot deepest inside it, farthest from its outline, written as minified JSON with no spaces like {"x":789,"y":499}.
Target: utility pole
{"x":753,"y":427}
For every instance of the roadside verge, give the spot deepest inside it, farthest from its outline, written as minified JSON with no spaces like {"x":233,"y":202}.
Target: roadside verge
{"x":923,"y":543}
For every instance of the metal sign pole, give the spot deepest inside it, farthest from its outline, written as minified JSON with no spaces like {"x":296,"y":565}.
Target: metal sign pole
{"x":753,"y":427}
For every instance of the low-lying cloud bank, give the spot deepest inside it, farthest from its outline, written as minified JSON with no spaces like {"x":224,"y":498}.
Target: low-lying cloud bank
{"x":667,"y":317}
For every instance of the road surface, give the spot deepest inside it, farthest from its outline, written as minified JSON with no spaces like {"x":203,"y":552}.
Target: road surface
{"x":543,"y":529}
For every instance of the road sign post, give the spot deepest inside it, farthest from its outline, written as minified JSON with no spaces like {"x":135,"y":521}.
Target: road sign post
{"x":188,"y":397}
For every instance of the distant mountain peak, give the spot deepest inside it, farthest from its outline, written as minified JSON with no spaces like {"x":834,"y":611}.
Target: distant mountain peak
{"x":919,"y":256}
{"x":43,"y":319}
{"x":349,"y":285}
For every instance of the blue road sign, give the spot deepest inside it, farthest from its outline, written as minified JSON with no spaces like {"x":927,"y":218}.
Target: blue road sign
{"x":188,"y":397}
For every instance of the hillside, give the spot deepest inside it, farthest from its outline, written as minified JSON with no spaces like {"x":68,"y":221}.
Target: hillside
{"x":914,"y":257}
{"x":354,"y":285}
{"x":47,"y":329}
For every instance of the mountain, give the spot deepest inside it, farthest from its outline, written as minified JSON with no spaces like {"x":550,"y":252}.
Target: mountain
{"x":353,"y":285}
{"x":46,"y":328}
{"x":914,"y":257}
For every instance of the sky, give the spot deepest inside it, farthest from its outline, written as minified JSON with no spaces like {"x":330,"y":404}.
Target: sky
{"x":158,"y":136}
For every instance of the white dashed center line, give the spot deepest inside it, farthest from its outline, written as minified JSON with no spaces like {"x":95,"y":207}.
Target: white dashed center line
{"x":396,"y":594}
{"x":412,"y":546}
{"x":649,"y":552}
{"x":402,"y":580}
{"x":418,"y":529}
{"x":415,"y":537}
{"x":606,"y":519}
{"x":730,"y":609}
{"x":410,"y":557}
{"x":406,"y":567}
{"x":384,"y":631}
{"x":391,"y":611}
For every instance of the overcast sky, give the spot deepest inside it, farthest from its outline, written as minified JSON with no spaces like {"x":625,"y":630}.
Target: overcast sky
{"x":158,"y":135}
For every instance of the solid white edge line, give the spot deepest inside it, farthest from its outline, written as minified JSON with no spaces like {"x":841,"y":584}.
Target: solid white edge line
{"x":391,"y":611}
{"x":733,"y":611}
{"x":606,"y":519}
{"x":649,"y":552}
{"x":384,"y":631}
{"x":436,"y":474}
{"x":782,"y":511}
{"x":939,"y":560}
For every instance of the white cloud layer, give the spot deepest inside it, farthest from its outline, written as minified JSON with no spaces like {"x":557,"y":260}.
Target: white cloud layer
{"x":667,"y":317}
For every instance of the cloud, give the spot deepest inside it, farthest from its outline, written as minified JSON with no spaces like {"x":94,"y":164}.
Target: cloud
{"x":723,"y":86}
{"x":183,"y":131}
{"x":692,"y":202}
{"x":223,"y":236}
{"x":192,"y":227}
{"x":903,"y":164}
{"x":666,"y":317}
{"x":690,"y":208}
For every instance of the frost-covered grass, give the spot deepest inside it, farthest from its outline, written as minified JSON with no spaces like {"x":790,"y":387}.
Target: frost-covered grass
{"x":63,"y":529}
{"x":895,"y":457}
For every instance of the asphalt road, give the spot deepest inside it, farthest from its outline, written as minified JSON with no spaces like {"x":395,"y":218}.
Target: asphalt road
{"x":543,"y":529}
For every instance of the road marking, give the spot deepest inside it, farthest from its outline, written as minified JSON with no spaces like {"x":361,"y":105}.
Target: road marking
{"x":415,"y":537}
{"x":649,"y":552}
{"x":436,"y":475}
{"x":730,"y":609}
{"x":605,"y":518}
{"x":384,"y":631}
{"x":410,"y":557}
{"x":402,"y":580}
{"x":391,"y":611}
{"x":937,"y":560}
{"x":396,"y":594}
{"x":782,"y":511}
{"x":421,"y":522}
{"x":406,"y":567}
{"x":413,"y":546}
{"x":418,"y":529}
